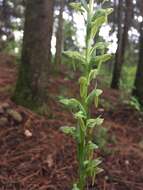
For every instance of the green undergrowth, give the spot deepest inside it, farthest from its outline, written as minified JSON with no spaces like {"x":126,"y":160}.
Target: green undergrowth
{"x":7,"y":89}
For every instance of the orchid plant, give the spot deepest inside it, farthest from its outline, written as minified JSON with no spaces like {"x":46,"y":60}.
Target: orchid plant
{"x":90,"y":63}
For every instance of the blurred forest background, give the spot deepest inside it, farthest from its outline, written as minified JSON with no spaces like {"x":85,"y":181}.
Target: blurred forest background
{"x":34,"y":74}
{"x":64,"y":29}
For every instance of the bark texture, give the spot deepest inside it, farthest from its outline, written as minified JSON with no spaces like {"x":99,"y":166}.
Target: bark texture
{"x":122,"y":40}
{"x":59,"y":35}
{"x":31,"y":88}
{"x":138,"y":86}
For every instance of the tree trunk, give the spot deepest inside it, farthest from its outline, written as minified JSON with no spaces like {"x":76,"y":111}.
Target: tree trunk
{"x":115,"y":78}
{"x":59,"y":35}
{"x":31,"y":88}
{"x":138,"y":86}
{"x":122,"y":41}
{"x":115,"y":15}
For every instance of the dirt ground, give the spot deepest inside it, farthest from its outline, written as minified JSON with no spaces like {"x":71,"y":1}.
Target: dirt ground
{"x":35,"y":155}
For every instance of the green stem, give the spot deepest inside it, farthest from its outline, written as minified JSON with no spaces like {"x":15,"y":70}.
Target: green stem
{"x":84,"y":140}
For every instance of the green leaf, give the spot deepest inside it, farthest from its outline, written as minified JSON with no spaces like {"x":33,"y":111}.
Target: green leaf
{"x":92,"y":95}
{"x":77,"y":7}
{"x":108,"y":11}
{"x":92,"y":146}
{"x":104,"y":1}
{"x":98,"y":19}
{"x":69,"y":131}
{"x":102,"y":12}
{"x":76,"y":56}
{"x":98,"y":92}
{"x":83,"y":87}
{"x":72,"y":103}
{"x":99,"y":121}
{"x":100,"y":46}
{"x":98,"y":170}
{"x":92,"y":75}
{"x":92,"y":166}
{"x":82,"y":124}
{"x":65,"y":101}
{"x":91,"y":123}
{"x":103,"y":58}
{"x":75,"y":187}
{"x":100,"y":59}
{"x":84,"y":3}
{"x":80,"y":115}
{"x":95,"y":25}
{"x":96,"y":101}
{"x":92,"y":163}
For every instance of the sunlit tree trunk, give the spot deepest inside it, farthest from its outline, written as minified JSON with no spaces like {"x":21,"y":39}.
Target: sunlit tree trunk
{"x":59,"y":35}
{"x":122,"y":41}
{"x":31,"y":88}
{"x":138,"y":86}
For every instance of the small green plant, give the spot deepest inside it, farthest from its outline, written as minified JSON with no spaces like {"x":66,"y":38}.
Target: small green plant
{"x":90,"y":63}
{"x":103,"y":139}
{"x":135,"y":103}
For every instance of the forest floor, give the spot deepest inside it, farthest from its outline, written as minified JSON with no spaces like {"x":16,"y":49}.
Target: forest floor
{"x":35,"y":155}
